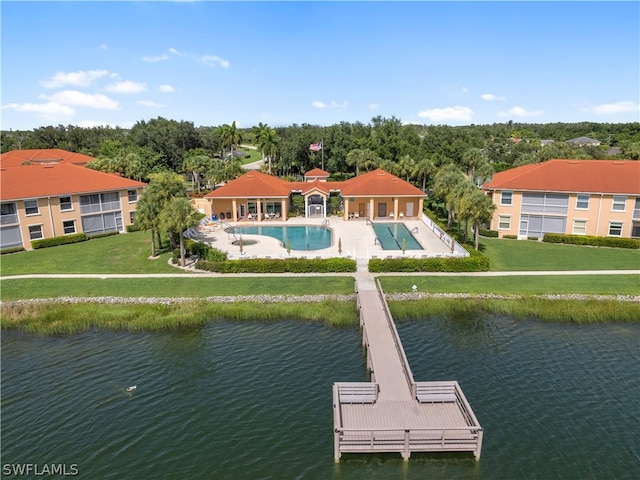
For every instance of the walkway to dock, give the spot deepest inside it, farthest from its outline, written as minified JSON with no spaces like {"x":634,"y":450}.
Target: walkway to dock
{"x":393,"y":413}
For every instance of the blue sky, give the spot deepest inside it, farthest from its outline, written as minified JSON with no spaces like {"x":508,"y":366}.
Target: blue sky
{"x":454,"y":63}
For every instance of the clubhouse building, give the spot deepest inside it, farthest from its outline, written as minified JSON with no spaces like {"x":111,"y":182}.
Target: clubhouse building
{"x":259,"y":196}
{"x":49,"y":193}
{"x":579,"y":197}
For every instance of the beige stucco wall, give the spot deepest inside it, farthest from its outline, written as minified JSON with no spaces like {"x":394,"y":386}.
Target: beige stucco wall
{"x":394,"y":205}
{"x":598,"y":215}
{"x":51,"y":217}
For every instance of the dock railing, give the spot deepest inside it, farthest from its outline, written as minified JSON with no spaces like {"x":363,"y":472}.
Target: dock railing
{"x":396,"y":340}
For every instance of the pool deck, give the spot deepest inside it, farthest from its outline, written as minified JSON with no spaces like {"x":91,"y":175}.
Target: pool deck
{"x":357,"y":239}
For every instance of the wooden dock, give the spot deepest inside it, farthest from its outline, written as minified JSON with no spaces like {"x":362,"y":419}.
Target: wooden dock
{"x":393,"y":413}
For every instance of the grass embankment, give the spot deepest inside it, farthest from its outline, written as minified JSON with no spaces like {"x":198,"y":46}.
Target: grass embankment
{"x":58,"y":319}
{"x":19,"y":289}
{"x":525,"y":255}
{"x":517,"y":284}
{"x":570,"y":311}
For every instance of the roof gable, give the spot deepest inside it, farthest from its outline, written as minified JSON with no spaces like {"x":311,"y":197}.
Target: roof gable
{"x":379,"y":182}
{"x":253,"y":184}
{"x":593,"y":176}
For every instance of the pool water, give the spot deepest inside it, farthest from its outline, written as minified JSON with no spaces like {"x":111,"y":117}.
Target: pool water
{"x":301,"y":237}
{"x":391,"y":235}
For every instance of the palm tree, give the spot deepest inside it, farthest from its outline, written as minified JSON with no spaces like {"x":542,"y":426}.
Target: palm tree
{"x":480,"y":211}
{"x":179,"y":216}
{"x":229,"y":137}
{"x":446,"y":181}
{"x":268,"y":141}
{"x":148,"y":218}
{"x":362,"y":159}
{"x":424,"y":168}
{"x":405,"y":166}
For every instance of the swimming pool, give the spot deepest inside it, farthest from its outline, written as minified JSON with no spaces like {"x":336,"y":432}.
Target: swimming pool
{"x":301,"y":237}
{"x":390,"y":236}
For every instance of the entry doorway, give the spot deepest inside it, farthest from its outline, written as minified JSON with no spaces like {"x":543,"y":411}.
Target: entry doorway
{"x":382,"y":209}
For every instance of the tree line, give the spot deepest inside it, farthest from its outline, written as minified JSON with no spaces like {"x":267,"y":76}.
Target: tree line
{"x":449,"y":162}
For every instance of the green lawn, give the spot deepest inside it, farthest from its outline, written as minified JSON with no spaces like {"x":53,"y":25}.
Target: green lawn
{"x":518,"y":285}
{"x":127,"y":253}
{"x":173,"y":287}
{"x":525,"y":255}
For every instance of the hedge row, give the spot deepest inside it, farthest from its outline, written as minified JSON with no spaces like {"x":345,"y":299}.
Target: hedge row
{"x":11,"y":250}
{"x":287,"y":265}
{"x":614,"y":242}
{"x":489,"y":233}
{"x":476,"y":262}
{"x":54,"y":241}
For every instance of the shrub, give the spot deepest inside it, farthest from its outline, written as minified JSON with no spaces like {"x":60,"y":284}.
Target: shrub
{"x":12,"y":250}
{"x":489,"y":233}
{"x":615,"y":242}
{"x":510,"y":237}
{"x":476,"y":262}
{"x":203,"y":251}
{"x":133,"y":228}
{"x":532,"y":238}
{"x":287,"y":265}
{"x":54,"y":241}
{"x":102,"y":235}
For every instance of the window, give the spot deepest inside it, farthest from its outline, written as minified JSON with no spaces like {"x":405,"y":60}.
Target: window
{"x":582,"y":202}
{"x":8,"y":214}
{"x":615,"y":229}
{"x":504,"y":222}
{"x":132,"y":217}
{"x":69,"y":226}
{"x":31,"y":207}
{"x":102,"y":223}
{"x":636,"y":209}
{"x":619,"y":203}
{"x":35,"y":232}
{"x":99,"y":202}
{"x":506,"y":198}
{"x":65,"y":204}
{"x":10,"y":237}
{"x":579,"y":227}
{"x":549,"y":203}
{"x":133,"y":196}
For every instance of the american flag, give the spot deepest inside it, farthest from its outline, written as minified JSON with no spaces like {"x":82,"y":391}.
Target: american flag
{"x":315,"y":147}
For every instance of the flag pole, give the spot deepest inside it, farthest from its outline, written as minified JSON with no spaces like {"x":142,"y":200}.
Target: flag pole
{"x":322,"y":151}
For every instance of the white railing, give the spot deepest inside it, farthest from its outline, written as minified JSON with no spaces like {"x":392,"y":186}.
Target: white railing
{"x":396,"y":340}
{"x":456,"y":249}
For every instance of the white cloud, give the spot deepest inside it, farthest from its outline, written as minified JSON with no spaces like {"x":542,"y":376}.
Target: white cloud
{"x":373,"y":106}
{"x":520,"y":112}
{"x":214,"y":60}
{"x":318,"y":104}
{"x":157,"y":58}
{"x":612,"y":108}
{"x":103,"y":46}
{"x":47,"y":110}
{"x":73,"y":97}
{"x":127,"y":87}
{"x":465,"y":90}
{"x":175,"y":51}
{"x":80,"y":78}
{"x":490,"y":97}
{"x":166,"y":88}
{"x":456,"y":113}
{"x":338,"y":105}
{"x":150,"y":103}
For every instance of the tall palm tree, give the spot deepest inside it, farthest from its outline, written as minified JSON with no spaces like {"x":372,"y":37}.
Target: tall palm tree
{"x":481,"y":210}
{"x":424,"y":168}
{"x":148,"y":218}
{"x":267,"y":140}
{"x":179,"y":216}
{"x":446,"y":181}
{"x":362,"y":159}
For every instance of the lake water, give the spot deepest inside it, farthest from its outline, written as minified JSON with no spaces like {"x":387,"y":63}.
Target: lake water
{"x":253,"y":400}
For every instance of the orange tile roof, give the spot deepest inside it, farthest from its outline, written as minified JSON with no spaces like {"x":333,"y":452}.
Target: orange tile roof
{"x":594,"y":176}
{"x":253,"y":184}
{"x":316,"y":172}
{"x":15,"y":158}
{"x":37,"y":181}
{"x":257,"y":184}
{"x":379,"y":182}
